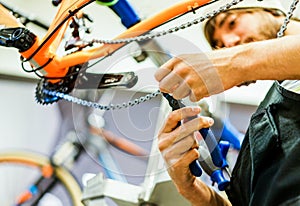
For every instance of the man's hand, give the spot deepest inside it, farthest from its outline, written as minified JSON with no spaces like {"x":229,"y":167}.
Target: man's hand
{"x":202,"y":74}
{"x":179,"y":146}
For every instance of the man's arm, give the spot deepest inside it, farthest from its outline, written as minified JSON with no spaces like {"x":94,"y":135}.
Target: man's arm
{"x":204,"y":74}
{"x":276,"y":59}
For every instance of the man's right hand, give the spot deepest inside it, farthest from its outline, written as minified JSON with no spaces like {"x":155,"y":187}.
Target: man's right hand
{"x":201,"y":75}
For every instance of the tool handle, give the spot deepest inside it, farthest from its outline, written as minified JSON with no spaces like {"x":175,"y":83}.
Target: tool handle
{"x":215,"y":173}
{"x":213,"y":147}
{"x":195,"y":168}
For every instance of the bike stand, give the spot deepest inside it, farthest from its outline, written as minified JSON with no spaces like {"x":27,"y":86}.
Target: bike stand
{"x":124,"y":194}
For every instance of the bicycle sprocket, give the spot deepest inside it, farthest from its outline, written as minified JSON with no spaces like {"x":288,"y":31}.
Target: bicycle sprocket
{"x":64,"y":85}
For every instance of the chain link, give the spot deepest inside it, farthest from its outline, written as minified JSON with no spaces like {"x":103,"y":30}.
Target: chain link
{"x":287,"y":19}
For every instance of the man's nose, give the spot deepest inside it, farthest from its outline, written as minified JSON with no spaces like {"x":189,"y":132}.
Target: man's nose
{"x":231,"y":40}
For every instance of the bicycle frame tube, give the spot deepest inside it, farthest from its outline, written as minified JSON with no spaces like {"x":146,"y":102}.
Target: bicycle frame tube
{"x":48,"y":51}
{"x":58,"y":67}
{"x":9,"y":20}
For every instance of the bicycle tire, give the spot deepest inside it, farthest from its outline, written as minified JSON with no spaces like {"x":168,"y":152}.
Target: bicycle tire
{"x":30,"y":159}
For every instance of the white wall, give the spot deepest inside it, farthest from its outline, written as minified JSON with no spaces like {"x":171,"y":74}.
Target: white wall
{"x":24,"y":123}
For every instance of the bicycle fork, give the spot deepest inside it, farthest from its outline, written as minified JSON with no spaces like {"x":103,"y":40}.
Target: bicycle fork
{"x":40,"y":187}
{"x":65,"y":156}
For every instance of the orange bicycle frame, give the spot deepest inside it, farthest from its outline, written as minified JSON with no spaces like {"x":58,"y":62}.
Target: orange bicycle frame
{"x":53,"y":65}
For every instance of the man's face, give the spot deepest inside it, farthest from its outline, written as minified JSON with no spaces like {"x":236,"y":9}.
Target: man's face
{"x":235,"y":28}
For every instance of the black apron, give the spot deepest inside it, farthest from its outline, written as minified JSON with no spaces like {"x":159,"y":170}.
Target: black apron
{"x":267,"y":171}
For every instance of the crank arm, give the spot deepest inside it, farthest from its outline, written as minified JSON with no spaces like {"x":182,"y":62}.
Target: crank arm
{"x":106,"y":80}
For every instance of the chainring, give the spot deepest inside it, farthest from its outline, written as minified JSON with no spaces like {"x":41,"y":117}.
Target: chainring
{"x":65,"y":85}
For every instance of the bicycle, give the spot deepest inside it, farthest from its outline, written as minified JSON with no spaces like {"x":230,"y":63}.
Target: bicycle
{"x":61,"y":75}
{"x":46,"y":173}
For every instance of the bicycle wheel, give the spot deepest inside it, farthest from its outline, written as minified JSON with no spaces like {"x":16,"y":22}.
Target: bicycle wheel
{"x":20,"y":169}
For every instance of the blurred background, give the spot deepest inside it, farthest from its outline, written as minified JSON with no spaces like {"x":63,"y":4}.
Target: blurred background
{"x":26,"y":124}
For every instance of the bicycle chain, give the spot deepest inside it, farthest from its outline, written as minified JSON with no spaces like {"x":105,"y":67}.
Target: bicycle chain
{"x":171,"y":30}
{"x":287,"y":19}
{"x":96,"y":105}
{"x":152,"y":36}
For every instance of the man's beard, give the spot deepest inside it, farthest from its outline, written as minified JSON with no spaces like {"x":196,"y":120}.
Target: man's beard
{"x":268,"y":30}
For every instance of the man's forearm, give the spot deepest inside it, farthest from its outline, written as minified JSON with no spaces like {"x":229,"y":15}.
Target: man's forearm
{"x":276,"y":59}
{"x":283,"y":58}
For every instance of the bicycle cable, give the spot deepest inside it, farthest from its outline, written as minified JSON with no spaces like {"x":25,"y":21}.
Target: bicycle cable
{"x":71,"y":13}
